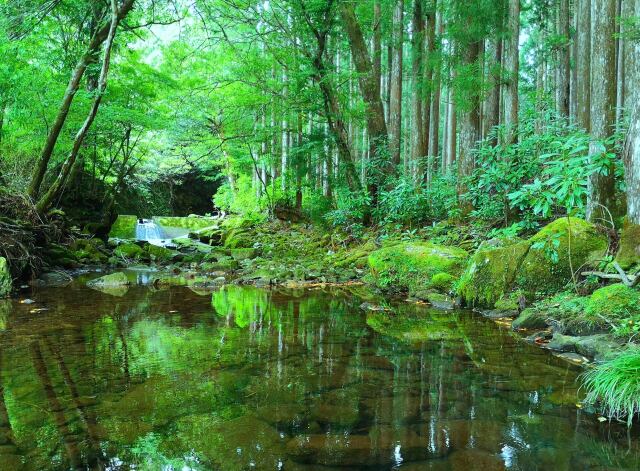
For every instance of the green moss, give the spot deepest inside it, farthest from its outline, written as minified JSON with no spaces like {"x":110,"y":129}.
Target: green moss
{"x":88,"y":250}
{"x":190,"y":223}
{"x":5,"y":279}
{"x":560,"y":247}
{"x":530,"y":319}
{"x":130,"y":251}
{"x":491,"y":272}
{"x":223,"y":264}
{"x":244,"y":254}
{"x":443,"y":282}
{"x":614,"y":302}
{"x":565,"y":309}
{"x":124,"y":227}
{"x":160,"y":254}
{"x":238,"y":238}
{"x":629,"y":252}
{"x":411,"y":265}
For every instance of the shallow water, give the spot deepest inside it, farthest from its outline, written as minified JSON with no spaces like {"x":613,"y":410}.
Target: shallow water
{"x":296,"y":380}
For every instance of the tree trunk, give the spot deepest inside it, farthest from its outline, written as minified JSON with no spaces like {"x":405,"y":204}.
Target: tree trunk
{"x":631,"y":155}
{"x":376,"y":126}
{"x":601,"y":187}
{"x":563,"y":70}
{"x":285,"y":133}
{"x":491,"y":116}
{"x":418,"y":85}
{"x":583,"y":65}
{"x":377,"y":46}
{"x":512,"y":69}
{"x":469,"y":127}
{"x":434,"y":116}
{"x":87,"y":58}
{"x":395,"y":108}
{"x":56,"y":188}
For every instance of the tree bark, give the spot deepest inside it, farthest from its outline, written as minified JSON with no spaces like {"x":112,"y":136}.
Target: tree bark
{"x":563,"y":60}
{"x":601,"y":186}
{"x":86,"y":59}
{"x":491,"y":115}
{"x":395,"y":108}
{"x":56,"y":188}
{"x":512,"y":70}
{"x":583,"y":65}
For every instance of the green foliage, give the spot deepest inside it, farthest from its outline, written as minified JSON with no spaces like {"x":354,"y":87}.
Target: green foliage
{"x":543,"y":173}
{"x":615,"y":384}
{"x":241,"y":199}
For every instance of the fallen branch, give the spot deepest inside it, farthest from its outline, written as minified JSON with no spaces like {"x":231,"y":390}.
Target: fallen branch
{"x":628,"y":280}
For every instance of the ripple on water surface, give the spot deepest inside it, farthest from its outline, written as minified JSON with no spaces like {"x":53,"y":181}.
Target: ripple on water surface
{"x":243,"y":378}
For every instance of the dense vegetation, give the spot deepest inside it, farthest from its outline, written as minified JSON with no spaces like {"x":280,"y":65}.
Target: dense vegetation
{"x":489,"y":117}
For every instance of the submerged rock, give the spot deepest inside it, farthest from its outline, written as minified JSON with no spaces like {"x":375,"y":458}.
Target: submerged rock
{"x":110,"y":281}
{"x":116,"y":284}
{"x":5,"y":278}
{"x":413,"y":266}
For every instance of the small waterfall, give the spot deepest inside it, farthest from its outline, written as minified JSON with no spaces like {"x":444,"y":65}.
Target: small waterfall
{"x":149,"y":231}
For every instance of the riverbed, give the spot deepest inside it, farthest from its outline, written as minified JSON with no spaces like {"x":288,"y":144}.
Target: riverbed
{"x":247,"y":378}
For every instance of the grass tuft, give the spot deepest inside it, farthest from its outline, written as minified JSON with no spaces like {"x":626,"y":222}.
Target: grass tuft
{"x":616,"y":384}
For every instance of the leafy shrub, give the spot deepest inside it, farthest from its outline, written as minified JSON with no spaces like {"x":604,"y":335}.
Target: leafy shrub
{"x":242,"y":201}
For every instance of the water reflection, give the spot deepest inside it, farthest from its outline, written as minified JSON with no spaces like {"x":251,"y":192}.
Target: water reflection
{"x":295,"y":380}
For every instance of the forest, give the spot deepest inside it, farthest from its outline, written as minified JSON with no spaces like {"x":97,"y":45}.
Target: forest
{"x":478,"y":157}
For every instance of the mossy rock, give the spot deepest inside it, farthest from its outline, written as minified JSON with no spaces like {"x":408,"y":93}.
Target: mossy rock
{"x":130,"y":251}
{"x":560,"y":247}
{"x":491,"y":272}
{"x":244,"y":254}
{"x":160,"y":254}
{"x":530,"y":319}
{"x":443,"y":282}
{"x":124,"y":227}
{"x":614,"y":302}
{"x":224,"y":264}
{"x":210,"y":236}
{"x":192,"y":223}
{"x":5,"y":278}
{"x":58,"y":256}
{"x":412,"y":265}
{"x":629,"y":252}
{"x":89,"y":250}
{"x":113,"y":280}
{"x":238,"y":238}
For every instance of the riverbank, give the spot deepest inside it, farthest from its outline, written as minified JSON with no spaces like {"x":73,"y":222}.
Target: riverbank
{"x":533,"y":284}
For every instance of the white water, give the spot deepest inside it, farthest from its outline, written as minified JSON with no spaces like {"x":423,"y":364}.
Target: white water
{"x":150,"y":231}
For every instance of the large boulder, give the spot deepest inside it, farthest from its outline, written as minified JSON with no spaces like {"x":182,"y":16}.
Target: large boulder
{"x":491,"y":271}
{"x":415,"y":266}
{"x":5,"y":278}
{"x":556,"y":253}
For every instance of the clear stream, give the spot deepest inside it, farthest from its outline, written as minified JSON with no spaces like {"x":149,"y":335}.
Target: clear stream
{"x":244,"y":378}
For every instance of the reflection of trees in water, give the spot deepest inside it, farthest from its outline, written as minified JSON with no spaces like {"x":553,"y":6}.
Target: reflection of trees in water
{"x":306,"y":364}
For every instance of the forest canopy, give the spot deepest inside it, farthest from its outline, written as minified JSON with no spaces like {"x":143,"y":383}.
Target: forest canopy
{"x":506,"y":112}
